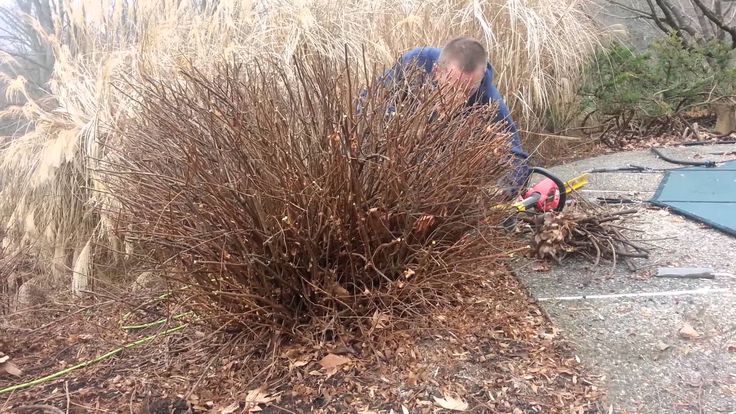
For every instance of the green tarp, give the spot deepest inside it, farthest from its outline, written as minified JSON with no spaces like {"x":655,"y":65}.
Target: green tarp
{"x":704,"y":194}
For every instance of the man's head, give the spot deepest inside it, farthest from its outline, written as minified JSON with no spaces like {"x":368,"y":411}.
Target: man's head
{"x":461,"y":66}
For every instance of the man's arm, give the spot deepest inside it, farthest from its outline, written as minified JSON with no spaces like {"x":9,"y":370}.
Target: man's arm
{"x":520,"y":161}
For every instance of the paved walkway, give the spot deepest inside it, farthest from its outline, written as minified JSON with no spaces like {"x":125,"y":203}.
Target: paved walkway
{"x":626,"y":328}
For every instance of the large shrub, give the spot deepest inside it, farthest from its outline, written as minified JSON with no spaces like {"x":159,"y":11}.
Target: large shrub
{"x":281,"y":200}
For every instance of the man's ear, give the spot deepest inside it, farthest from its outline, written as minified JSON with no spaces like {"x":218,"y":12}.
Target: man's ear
{"x":481,"y":73}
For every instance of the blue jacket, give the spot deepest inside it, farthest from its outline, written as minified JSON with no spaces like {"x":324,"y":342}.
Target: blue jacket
{"x":426,"y":57}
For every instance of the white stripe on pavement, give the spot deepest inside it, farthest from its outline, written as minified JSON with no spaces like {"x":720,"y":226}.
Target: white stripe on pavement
{"x":702,"y":291}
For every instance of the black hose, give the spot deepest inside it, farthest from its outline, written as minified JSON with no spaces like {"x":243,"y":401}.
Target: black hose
{"x":709,"y":164}
{"x":698,"y":143}
{"x":630,"y":168}
{"x":605,"y":200}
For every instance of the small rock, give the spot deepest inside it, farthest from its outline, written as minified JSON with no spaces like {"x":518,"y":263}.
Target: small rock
{"x":688,"y":332}
{"x":30,"y":294}
{"x":148,"y":281}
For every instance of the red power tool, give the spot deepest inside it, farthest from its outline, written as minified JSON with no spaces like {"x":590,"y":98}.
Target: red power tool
{"x":550,"y":193}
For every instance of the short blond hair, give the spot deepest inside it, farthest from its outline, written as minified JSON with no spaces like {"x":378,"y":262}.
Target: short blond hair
{"x":467,"y":53}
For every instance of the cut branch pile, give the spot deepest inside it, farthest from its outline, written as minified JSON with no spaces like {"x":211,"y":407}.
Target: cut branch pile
{"x":584,"y":230}
{"x":285,"y":202}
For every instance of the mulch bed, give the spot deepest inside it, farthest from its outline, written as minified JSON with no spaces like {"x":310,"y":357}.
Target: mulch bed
{"x":491,"y":351}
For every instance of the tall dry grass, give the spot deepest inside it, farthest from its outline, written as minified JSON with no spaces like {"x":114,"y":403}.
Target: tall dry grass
{"x":51,"y":197}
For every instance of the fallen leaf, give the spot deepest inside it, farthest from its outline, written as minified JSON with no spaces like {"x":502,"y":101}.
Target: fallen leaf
{"x":256,"y":397}
{"x":688,"y":332}
{"x":3,"y":358}
{"x":451,"y":403}
{"x":259,"y":395}
{"x":379,"y":320}
{"x":541,"y":267}
{"x":335,"y":290}
{"x":404,"y":410}
{"x":332,"y":361}
{"x":230,"y":408}
{"x":11,"y":369}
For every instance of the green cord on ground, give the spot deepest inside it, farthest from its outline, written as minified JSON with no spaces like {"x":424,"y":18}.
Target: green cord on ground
{"x":90,"y":362}
{"x":156,"y":323}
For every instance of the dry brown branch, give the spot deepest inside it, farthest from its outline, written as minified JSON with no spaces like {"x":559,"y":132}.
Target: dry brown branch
{"x":39,"y":408}
{"x":583,"y":230}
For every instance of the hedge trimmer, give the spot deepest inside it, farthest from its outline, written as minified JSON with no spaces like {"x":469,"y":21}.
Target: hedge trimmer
{"x":547,"y":195}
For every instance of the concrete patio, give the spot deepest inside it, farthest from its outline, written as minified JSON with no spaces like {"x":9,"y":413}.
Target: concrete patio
{"x":625,"y":325}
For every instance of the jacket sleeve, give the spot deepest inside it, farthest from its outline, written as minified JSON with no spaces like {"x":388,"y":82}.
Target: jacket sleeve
{"x":520,"y":158}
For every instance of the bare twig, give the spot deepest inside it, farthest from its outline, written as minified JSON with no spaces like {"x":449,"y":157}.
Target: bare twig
{"x":35,"y":407}
{"x":130,"y":401}
{"x":713,"y":17}
{"x":68,"y":398}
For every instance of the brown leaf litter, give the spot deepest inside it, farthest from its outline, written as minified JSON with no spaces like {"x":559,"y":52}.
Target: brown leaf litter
{"x":492,"y":351}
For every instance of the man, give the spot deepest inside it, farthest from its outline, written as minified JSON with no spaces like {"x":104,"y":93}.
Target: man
{"x":462,"y":67}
